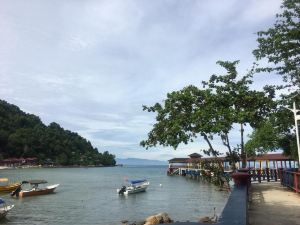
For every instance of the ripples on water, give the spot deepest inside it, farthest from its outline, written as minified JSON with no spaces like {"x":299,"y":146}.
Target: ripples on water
{"x":89,"y":196}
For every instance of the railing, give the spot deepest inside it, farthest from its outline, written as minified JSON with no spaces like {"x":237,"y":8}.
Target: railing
{"x":264,"y":174}
{"x":235,"y":211}
{"x":259,"y":175}
{"x":291,"y":179}
{"x":173,"y":171}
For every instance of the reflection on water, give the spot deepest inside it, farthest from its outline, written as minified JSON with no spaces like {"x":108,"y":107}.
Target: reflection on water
{"x":89,"y":196}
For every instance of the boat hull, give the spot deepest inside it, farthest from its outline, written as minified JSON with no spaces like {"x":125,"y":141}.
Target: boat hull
{"x":135,"y":188}
{"x":10,"y":187}
{"x":35,"y":192}
{"x":4,"y":210}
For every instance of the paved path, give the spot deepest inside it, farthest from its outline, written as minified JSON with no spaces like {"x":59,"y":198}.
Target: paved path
{"x":273,"y":204}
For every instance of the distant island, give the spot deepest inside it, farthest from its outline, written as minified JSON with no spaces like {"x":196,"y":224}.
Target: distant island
{"x":136,"y":161}
{"x":23,"y":135}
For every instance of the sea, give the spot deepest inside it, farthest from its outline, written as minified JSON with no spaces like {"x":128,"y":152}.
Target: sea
{"x":89,"y":196}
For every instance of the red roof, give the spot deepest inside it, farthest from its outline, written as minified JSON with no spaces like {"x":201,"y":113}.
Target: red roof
{"x":197,"y":160}
{"x":178,"y":160}
{"x":271,"y":157}
{"x":195,"y":155}
{"x":274,"y":156}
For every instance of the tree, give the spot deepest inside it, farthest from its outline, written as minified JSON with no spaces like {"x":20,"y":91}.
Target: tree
{"x":280,"y":44}
{"x":242,"y":105}
{"x":24,"y":135}
{"x":263,"y":139}
{"x":193,"y":112}
{"x":278,"y":131}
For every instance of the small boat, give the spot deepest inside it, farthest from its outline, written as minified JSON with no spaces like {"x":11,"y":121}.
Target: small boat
{"x":5,"y":186}
{"x":4,"y":208}
{"x":35,"y":189}
{"x":134,"y":186}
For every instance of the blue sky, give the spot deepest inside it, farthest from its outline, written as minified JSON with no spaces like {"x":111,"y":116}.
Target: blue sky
{"x":91,"y":65}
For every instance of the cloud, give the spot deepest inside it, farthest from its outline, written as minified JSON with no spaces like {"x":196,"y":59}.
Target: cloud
{"x":91,"y":65}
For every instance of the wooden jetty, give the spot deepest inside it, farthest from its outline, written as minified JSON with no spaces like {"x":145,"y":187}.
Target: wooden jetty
{"x":262,"y":168}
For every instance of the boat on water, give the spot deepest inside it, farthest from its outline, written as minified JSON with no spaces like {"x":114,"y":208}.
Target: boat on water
{"x":134,"y":186}
{"x":34,"y":189}
{"x":5,"y":186}
{"x":4,"y":208}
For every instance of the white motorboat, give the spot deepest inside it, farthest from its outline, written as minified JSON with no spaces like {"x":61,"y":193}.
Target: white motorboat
{"x":4,"y":209}
{"x":134,"y":186}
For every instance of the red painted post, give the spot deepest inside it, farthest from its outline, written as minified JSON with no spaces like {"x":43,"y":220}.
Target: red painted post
{"x":296,"y":182}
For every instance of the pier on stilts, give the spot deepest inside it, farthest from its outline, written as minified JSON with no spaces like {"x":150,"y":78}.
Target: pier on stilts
{"x":263,"y":168}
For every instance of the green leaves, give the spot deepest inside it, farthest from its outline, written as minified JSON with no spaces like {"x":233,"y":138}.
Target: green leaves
{"x":263,"y":139}
{"x":280,"y":44}
{"x":24,"y":135}
{"x":192,"y":112}
{"x":277,"y":131}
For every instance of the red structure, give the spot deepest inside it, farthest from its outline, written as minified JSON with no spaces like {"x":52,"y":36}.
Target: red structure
{"x":15,"y":162}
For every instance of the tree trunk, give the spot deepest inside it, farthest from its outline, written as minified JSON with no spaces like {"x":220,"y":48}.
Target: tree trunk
{"x":243,"y":153}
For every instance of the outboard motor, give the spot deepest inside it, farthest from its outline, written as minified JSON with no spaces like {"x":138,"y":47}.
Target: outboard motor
{"x":122,"y":190}
{"x":16,"y":192}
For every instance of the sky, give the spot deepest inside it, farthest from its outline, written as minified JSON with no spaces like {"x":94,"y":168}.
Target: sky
{"x":91,"y":65}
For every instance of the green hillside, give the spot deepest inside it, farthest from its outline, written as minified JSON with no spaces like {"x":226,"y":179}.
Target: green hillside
{"x":24,"y":135}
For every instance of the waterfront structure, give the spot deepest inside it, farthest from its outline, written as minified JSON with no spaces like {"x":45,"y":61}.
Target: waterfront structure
{"x":271,"y":161}
{"x":16,"y":162}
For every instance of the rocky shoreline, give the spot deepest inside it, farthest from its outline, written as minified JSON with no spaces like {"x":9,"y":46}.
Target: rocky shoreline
{"x":163,"y":218}
{"x":160,"y":218}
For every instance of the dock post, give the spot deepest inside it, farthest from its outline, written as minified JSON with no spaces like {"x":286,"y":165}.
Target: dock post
{"x":268,"y":174}
{"x":296,"y":182}
{"x":259,"y":175}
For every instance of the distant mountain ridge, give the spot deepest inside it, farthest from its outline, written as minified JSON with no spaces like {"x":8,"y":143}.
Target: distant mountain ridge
{"x":137,"y":161}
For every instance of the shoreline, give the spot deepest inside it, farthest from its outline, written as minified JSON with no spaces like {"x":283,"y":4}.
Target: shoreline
{"x":40,"y":166}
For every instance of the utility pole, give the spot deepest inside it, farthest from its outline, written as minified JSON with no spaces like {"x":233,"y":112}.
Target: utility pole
{"x":297,"y":117}
{"x":243,"y":154}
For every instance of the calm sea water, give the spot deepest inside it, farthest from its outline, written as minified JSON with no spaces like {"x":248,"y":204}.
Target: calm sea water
{"x":89,"y":196}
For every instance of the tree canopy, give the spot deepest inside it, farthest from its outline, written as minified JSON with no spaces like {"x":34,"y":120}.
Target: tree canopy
{"x":280,"y":44}
{"x":225,"y":100}
{"x":278,"y":131}
{"x":24,"y":135}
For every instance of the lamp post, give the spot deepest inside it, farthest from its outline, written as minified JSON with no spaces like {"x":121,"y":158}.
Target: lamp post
{"x":297,"y":117}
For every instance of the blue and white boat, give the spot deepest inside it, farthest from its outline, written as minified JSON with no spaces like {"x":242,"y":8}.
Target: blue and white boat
{"x":134,"y":186}
{"x":4,"y":208}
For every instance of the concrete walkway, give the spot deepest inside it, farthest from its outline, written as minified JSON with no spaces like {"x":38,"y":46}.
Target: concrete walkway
{"x":273,"y":204}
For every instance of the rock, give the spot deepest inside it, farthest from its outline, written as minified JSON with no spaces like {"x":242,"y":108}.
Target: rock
{"x":204,"y":219}
{"x":151,"y":220}
{"x":165,"y":218}
{"x":140,"y":222}
{"x":159,"y":218}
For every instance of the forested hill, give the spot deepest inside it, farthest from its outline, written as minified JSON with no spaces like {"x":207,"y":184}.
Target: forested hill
{"x":24,"y":135}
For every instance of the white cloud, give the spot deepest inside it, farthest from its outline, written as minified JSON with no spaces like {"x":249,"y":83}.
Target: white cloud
{"x":91,"y":65}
